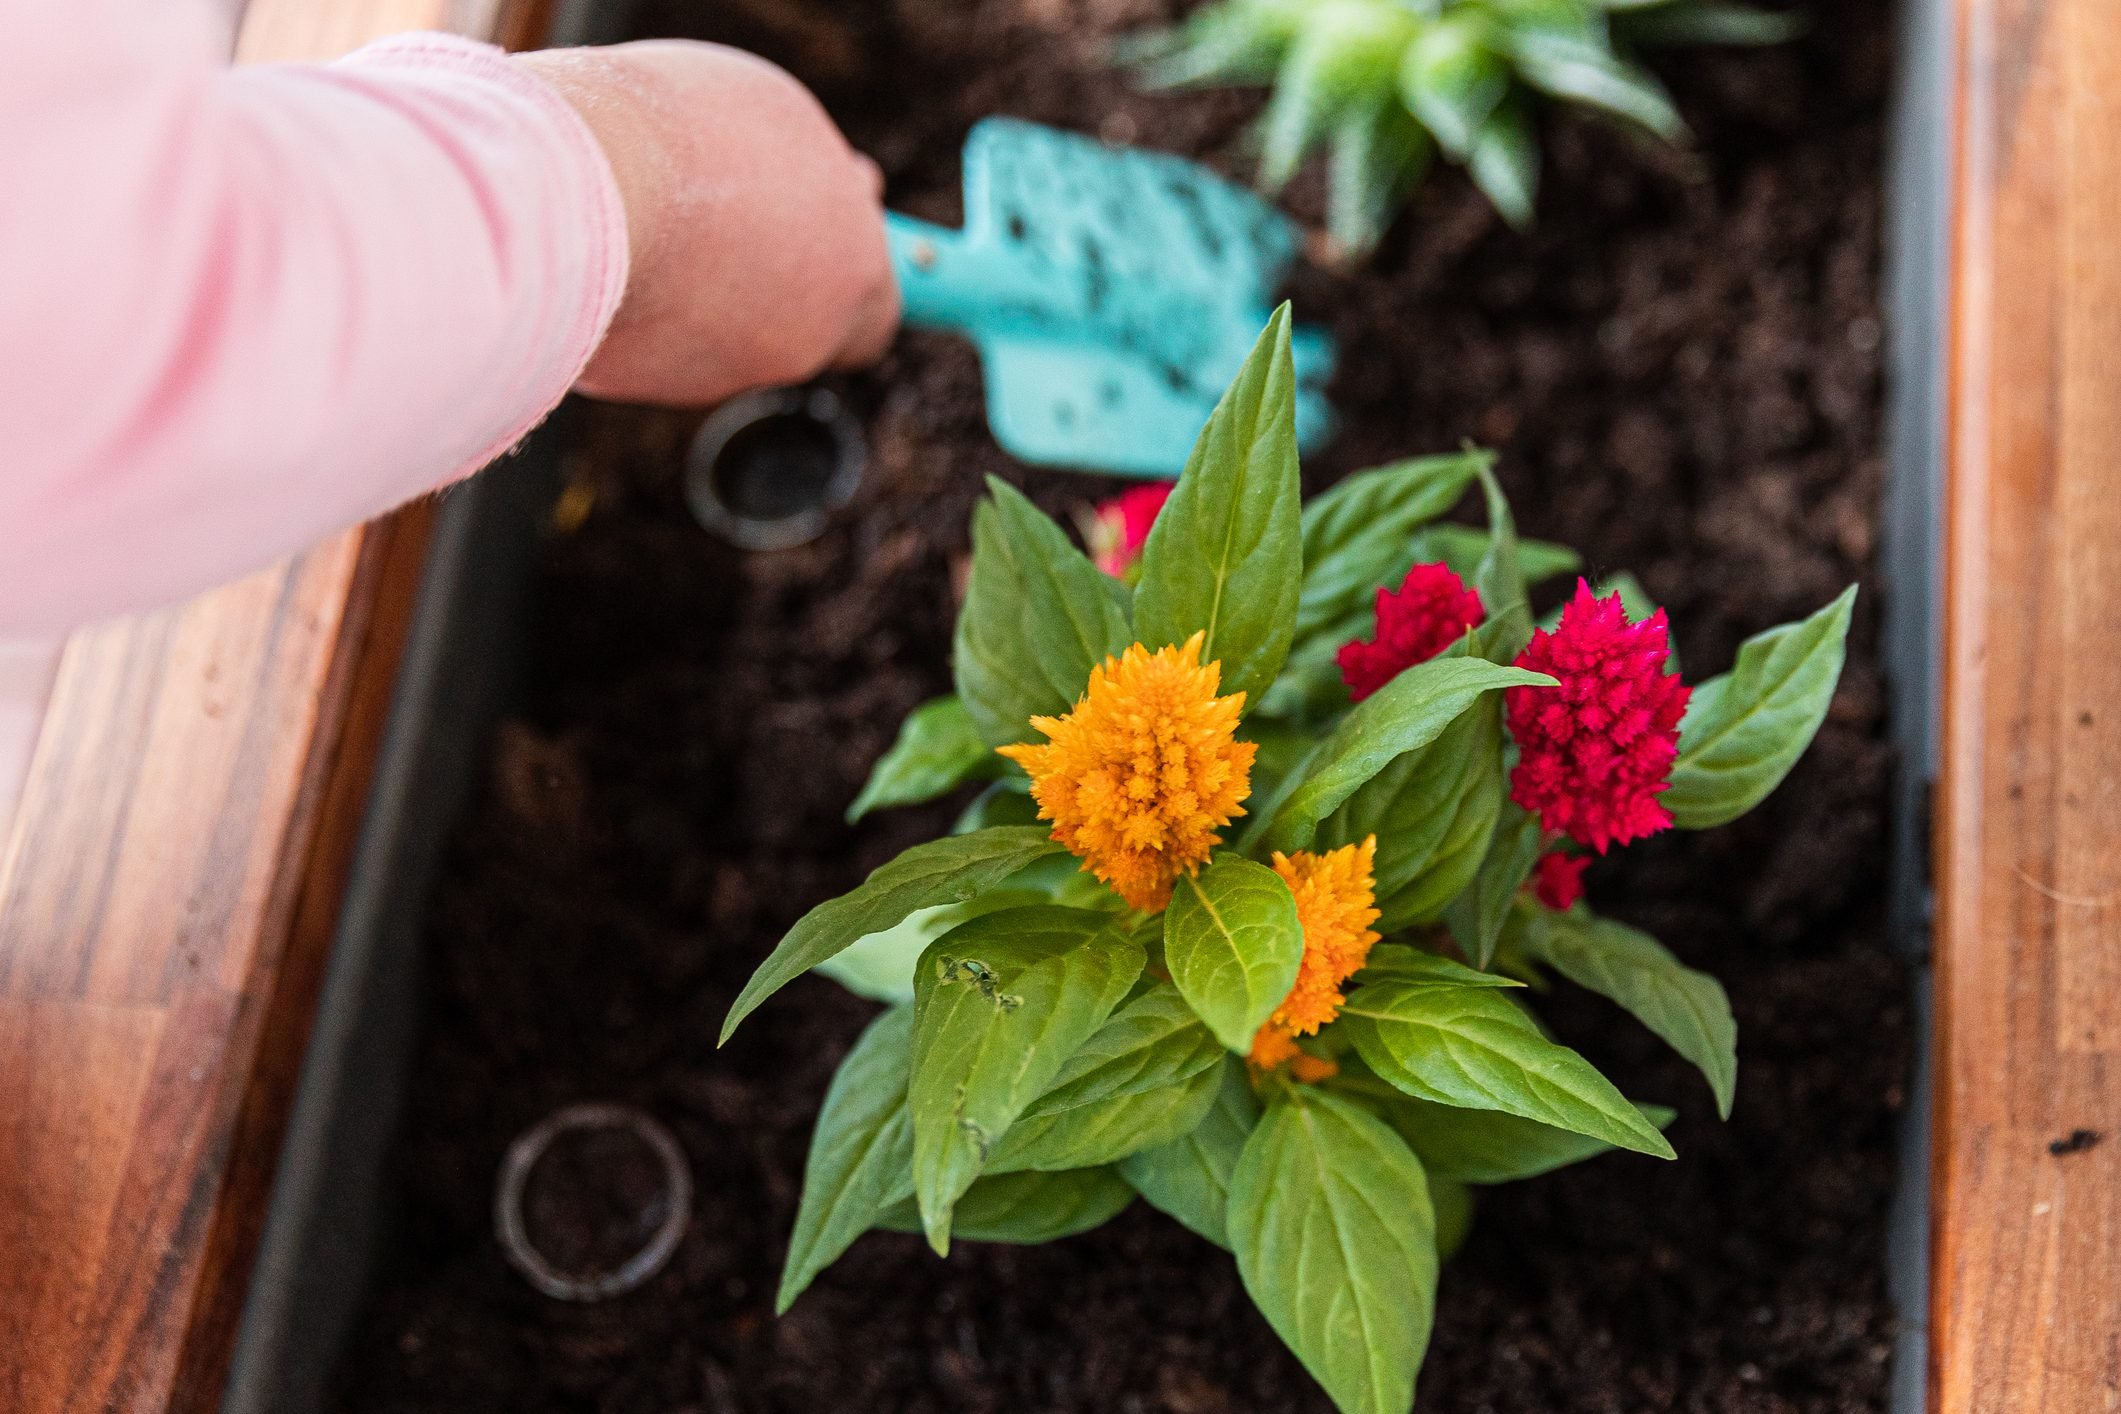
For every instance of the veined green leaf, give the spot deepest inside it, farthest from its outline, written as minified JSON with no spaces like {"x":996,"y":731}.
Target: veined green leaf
{"x":1147,"y":1077}
{"x":1432,"y":811}
{"x":1358,"y":535}
{"x":1026,"y":1208}
{"x":1452,"y":80}
{"x":1225,"y":556}
{"x":1038,"y":616}
{"x":1477,"y":915}
{"x":1470,"y":1046}
{"x":1335,"y":1238}
{"x":880,"y":966}
{"x":999,"y":1004}
{"x":1477,"y":1146}
{"x":861,"y":1153}
{"x":937,"y":750}
{"x":1405,"y":714}
{"x":1744,"y":730}
{"x":950,"y":870}
{"x":1399,"y":963}
{"x":1688,"y":1009}
{"x":1189,"y":1178}
{"x":1233,"y":946}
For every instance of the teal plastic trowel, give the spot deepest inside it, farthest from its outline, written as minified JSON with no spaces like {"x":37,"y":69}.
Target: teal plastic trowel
{"x":1112,"y":293}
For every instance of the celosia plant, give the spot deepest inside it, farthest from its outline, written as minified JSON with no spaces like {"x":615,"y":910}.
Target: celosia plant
{"x":1272,"y":841}
{"x":1387,"y":84}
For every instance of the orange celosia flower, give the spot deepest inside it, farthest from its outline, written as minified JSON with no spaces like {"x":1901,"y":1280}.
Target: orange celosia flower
{"x":1336,"y":893}
{"x":1139,"y":777}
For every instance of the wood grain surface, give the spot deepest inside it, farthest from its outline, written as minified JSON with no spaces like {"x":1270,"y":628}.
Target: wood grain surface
{"x":2026,"y":1239}
{"x":167,"y":901}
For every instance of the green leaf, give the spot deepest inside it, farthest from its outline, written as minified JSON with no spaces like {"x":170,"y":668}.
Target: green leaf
{"x":1452,"y":1202}
{"x":1005,"y":802}
{"x":861,"y":1153}
{"x":1233,"y":945}
{"x":942,"y":871}
{"x":1744,"y":730}
{"x":1398,"y":962}
{"x":1310,"y":688}
{"x":937,"y":749}
{"x":1452,"y":81}
{"x":1026,"y":1208}
{"x":1501,"y":581}
{"x":1688,"y":1009}
{"x":1189,"y":1178}
{"x":1477,"y":915}
{"x":1432,"y":811}
{"x":880,"y":966}
{"x":999,"y":1004}
{"x":1711,"y":22}
{"x":1404,"y":715}
{"x":1461,"y":547}
{"x":1223,"y":44}
{"x":1478,"y":1146}
{"x":1357,"y":537}
{"x":1346,"y":51}
{"x":1225,"y":556}
{"x":1378,"y":153}
{"x":1335,"y":1239}
{"x":1504,"y":163}
{"x":1147,"y":1077}
{"x":1282,"y":749}
{"x":1038,"y":616}
{"x":1472,"y":1047}
{"x":1591,"y":74}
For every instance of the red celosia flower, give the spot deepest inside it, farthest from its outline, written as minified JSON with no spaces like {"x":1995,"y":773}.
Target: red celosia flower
{"x":1119,"y":528}
{"x":1428,"y":613}
{"x":1557,"y":880}
{"x":1595,"y":752}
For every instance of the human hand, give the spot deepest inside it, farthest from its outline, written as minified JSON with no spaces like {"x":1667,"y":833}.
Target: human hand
{"x":757,"y":234}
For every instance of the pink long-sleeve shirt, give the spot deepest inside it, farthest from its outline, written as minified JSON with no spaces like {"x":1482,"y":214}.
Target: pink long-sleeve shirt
{"x":243,"y":308}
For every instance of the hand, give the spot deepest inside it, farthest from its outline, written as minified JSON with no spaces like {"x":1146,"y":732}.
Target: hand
{"x":757,"y":234}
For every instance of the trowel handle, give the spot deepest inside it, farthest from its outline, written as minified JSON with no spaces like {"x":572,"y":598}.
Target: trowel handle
{"x":949,"y":282}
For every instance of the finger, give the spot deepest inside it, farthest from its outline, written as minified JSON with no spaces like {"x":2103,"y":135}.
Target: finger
{"x":874,"y":326}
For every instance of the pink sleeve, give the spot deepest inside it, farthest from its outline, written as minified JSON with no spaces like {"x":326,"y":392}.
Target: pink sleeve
{"x":243,"y":308}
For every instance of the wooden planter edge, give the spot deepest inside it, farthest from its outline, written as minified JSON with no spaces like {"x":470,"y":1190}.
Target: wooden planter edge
{"x":168,"y":896}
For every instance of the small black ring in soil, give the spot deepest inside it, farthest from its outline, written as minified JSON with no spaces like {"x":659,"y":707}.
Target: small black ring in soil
{"x":767,"y":469}
{"x":652,"y":1226}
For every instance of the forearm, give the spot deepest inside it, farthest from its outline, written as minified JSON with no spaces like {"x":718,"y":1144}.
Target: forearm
{"x":240,"y":310}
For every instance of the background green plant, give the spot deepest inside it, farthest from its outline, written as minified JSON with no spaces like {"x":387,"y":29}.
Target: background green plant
{"x":1049,"y":1054}
{"x":1386,"y":85}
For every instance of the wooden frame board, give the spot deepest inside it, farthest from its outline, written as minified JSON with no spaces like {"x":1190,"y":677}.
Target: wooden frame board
{"x":168,"y":896}
{"x":2026,"y":1158}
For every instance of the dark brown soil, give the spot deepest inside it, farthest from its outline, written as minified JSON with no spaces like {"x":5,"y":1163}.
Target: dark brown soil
{"x":1681,"y":369}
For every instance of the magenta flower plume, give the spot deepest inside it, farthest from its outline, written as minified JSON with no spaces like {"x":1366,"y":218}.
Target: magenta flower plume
{"x":1427,"y":613}
{"x":1595,"y":753}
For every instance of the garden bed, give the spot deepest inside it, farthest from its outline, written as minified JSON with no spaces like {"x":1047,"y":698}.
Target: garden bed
{"x":1681,"y":371}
